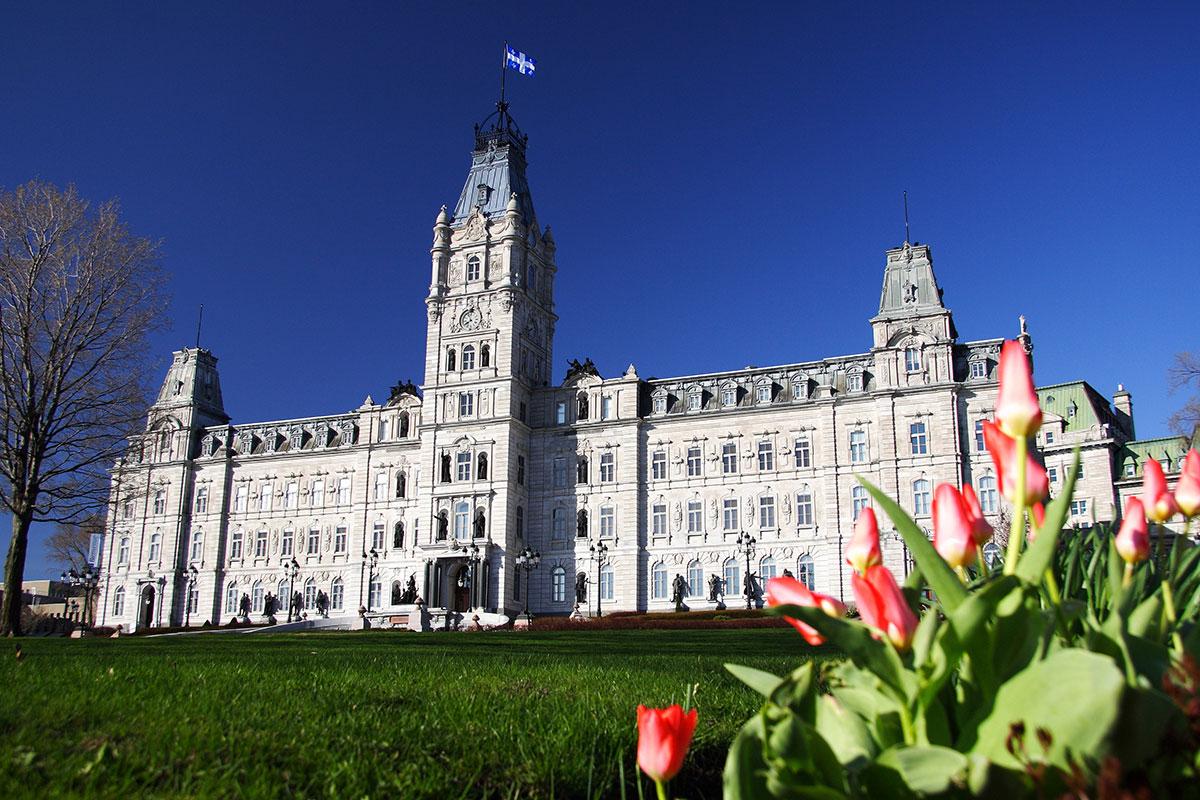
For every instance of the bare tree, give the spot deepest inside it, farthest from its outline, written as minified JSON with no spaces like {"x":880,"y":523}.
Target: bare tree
{"x":71,"y":543}
{"x":79,"y":296}
{"x":1184,"y":373}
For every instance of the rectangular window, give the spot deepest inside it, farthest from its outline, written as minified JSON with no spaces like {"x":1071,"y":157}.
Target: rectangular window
{"x":123,"y":551}
{"x":694,"y":464}
{"x":1079,"y":508}
{"x":729,"y":513}
{"x":314,"y":541}
{"x":728,"y":396}
{"x":343,"y":491}
{"x":160,"y":502}
{"x":917,"y":439}
{"x":762,"y":394}
{"x":766,"y":512}
{"x":766,"y":456}
{"x":660,"y":405}
{"x":559,"y":524}
{"x":462,"y":467}
{"x":291,"y":495}
{"x":260,"y":544}
{"x":658,"y":465}
{"x":608,"y":467}
{"x":558,"y":585}
{"x":466,"y":404}
{"x":693,"y":401}
{"x":377,"y":536}
{"x":608,"y":522}
{"x":912,"y":359}
{"x":240,"y":498}
{"x":235,"y":544}
{"x":978,"y":369}
{"x":858,"y":499}
{"x":560,"y":413}
{"x":804,"y":510}
{"x":606,"y":407}
{"x":285,"y":544}
{"x":803,"y":453}
{"x":127,"y":509}
{"x":339,"y":539}
{"x":1049,"y":437}
{"x":858,"y":446}
{"x":520,"y":522}
{"x":520,"y":470}
{"x":606,"y":584}
{"x":560,"y":473}
{"x":1052,"y":474}
{"x":1079,"y":472}
{"x":381,"y":486}
{"x":202,"y":500}
{"x":979,"y":445}
{"x":522,"y":411}
{"x":197,"y":545}
{"x":729,"y":458}
{"x":658,"y":517}
{"x":695,"y":516}
{"x":854,"y":382}
{"x":265,"y":496}
{"x":316,"y":496}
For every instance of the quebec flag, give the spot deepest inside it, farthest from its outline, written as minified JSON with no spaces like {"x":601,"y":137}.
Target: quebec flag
{"x":519,"y":61}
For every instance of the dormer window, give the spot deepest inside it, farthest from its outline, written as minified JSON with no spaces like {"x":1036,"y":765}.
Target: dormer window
{"x":660,"y":404}
{"x":762,"y":393}
{"x":978,"y":369}
{"x":693,"y":400}
{"x":854,"y":382}
{"x":1071,"y":409}
{"x":800,"y":388}
{"x":729,"y":396}
{"x":482,"y":193}
{"x":473,"y":268}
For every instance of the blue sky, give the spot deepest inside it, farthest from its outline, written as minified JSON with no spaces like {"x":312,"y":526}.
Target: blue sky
{"x":722,"y":179}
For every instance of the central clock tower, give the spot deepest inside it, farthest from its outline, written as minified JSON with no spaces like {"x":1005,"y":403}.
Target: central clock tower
{"x":489,"y":347}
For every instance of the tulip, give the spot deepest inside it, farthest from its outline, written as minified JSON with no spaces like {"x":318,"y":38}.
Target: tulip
{"x":1187,"y":491}
{"x":1133,"y":539}
{"x":791,"y":592}
{"x":1017,"y":408}
{"x":1003,"y":449}
{"x":863,"y":550}
{"x":981,"y":529}
{"x":881,"y":605}
{"x":953,"y":536}
{"x":1160,"y":505}
{"x":664,"y":735}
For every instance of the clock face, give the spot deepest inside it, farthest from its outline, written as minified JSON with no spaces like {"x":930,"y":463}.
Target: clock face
{"x":470,"y":319}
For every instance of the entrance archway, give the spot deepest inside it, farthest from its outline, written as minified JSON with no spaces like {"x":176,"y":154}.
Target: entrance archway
{"x":460,"y":588}
{"x":146,"y":609}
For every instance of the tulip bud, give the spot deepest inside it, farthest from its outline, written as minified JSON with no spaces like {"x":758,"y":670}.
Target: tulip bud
{"x":1160,"y":505}
{"x":791,"y":592}
{"x":881,"y":605}
{"x":1187,"y":491}
{"x":1003,"y":449}
{"x":981,"y":529}
{"x":1017,"y":408}
{"x":952,"y":535}
{"x":1133,"y":539}
{"x":664,"y":735}
{"x":863,"y":550}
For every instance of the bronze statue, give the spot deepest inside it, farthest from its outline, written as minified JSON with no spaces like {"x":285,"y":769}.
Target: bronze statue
{"x":244,"y":605}
{"x":410,"y":591}
{"x":581,"y":582}
{"x":678,"y":591}
{"x":714,"y":588}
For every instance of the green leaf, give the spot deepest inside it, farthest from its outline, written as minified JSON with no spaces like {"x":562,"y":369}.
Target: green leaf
{"x":1036,"y":560}
{"x":802,"y":749}
{"x":927,"y":769}
{"x":1147,"y":716}
{"x":846,"y":732}
{"x":1073,"y":694}
{"x":796,"y":690}
{"x":762,"y":682}
{"x":1146,"y":620}
{"x":942,"y":580}
{"x":745,"y":774}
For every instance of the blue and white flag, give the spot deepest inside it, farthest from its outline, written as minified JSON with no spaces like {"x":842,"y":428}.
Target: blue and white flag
{"x":519,"y":61}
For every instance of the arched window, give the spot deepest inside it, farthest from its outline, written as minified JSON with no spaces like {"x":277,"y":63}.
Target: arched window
{"x":193,"y":597}
{"x":451,"y":363}
{"x":398,"y":536}
{"x":231,"y":598}
{"x":473,"y":268}
{"x":991,"y":554}
{"x":606,"y":582}
{"x":485,"y":356}
{"x":468,"y":359}
{"x":403,"y":434}
{"x":695,"y":579}
{"x":119,"y":601}
{"x":310,"y":594}
{"x":281,"y":591}
{"x":658,"y":581}
{"x":921,"y":497}
{"x":337,"y":595}
{"x":766,"y":570}
{"x":155,"y":547}
{"x":123,"y":551}
{"x":481,"y":467}
{"x":558,"y":584}
{"x":462,"y":521}
{"x":732,"y":574}
{"x":257,"y":597}
{"x":988,"y":499}
{"x":805,"y":573}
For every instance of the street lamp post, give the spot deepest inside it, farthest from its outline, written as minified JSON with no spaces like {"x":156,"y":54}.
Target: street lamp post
{"x":473,"y":586}
{"x":370,"y":561}
{"x":528,"y":560}
{"x":600,"y":556}
{"x":290,"y":571}
{"x":87,"y":580}
{"x":745,"y":545}
{"x":192,"y":575}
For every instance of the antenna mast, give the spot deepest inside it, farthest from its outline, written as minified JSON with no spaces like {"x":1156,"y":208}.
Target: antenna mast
{"x":906,"y":236}
{"x":199,"y":322}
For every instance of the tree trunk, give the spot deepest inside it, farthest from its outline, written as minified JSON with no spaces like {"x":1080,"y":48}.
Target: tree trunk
{"x":14,"y":572}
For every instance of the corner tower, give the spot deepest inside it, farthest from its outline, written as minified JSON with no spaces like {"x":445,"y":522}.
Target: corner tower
{"x":913,"y":332}
{"x":489,"y":346}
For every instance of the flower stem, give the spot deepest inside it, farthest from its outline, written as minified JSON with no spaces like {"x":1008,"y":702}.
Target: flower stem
{"x":1128,"y":575}
{"x":1169,"y":597}
{"x":1017,"y":531}
{"x":662,"y":790}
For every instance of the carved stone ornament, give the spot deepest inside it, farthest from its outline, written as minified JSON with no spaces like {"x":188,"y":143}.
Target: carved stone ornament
{"x":456,"y":272}
{"x":435,"y":312}
{"x":677,"y":516}
{"x":506,"y":301}
{"x":476,"y":227}
{"x":787,"y":511}
{"x":495,"y":265}
{"x":749,"y":510}
{"x":712,"y":511}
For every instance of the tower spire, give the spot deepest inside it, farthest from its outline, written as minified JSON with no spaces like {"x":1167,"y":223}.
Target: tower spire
{"x":907,"y":238}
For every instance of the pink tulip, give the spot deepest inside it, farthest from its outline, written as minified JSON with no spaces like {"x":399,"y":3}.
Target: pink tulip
{"x":863,"y":550}
{"x":1017,"y":408}
{"x":1160,"y":505}
{"x":1003,"y":449}
{"x":791,"y":592}
{"x":881,"y":605}
{"x":981,"y":529}
{"x":1187,"y":491}
{"x":953,"y":537}
{"x":664,"y":735}
{"x":1133,"y":539}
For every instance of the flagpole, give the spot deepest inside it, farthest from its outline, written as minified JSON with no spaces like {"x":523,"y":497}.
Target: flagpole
{"x":503,"y":70}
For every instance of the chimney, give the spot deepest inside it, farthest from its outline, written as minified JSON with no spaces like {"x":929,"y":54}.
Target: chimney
{"x":1123,"y":405}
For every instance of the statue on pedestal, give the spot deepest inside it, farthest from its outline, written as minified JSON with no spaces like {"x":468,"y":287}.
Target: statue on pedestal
{"x":678,"y":591}
{"x":714,"y":588}
{"x":581,"y":582}
{"x":410,"y":591}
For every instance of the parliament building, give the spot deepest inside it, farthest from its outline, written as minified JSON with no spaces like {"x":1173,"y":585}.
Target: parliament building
{"x":622,"y":484}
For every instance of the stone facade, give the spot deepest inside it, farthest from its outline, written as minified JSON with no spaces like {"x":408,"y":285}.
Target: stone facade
{"x":446,"y":484}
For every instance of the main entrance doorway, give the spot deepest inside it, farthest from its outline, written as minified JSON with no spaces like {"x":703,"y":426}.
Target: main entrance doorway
{"x":460,"y":588}
{"x":146,"y":611}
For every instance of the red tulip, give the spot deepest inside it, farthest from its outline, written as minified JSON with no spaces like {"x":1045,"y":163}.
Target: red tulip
{"x":1160,"y":505}
{"x":981,"y":529}
{"x":1187,"y":491}
{"x":881,"y":605}
{"x":664,"y":735}
{"x":952,"y":533}
{"x":1003,"y":449}
{"x":1017,"y":408}
{"x":1133,"y":539}
{"x":863,"y":550}
{"x":791,"y":592}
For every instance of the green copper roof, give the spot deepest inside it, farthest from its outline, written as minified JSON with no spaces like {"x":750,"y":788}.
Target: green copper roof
{"x":1076,"y":402}
{"x":1169,"y":450}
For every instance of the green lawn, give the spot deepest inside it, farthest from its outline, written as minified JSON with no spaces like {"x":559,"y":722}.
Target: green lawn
{"x":399,"y":715}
